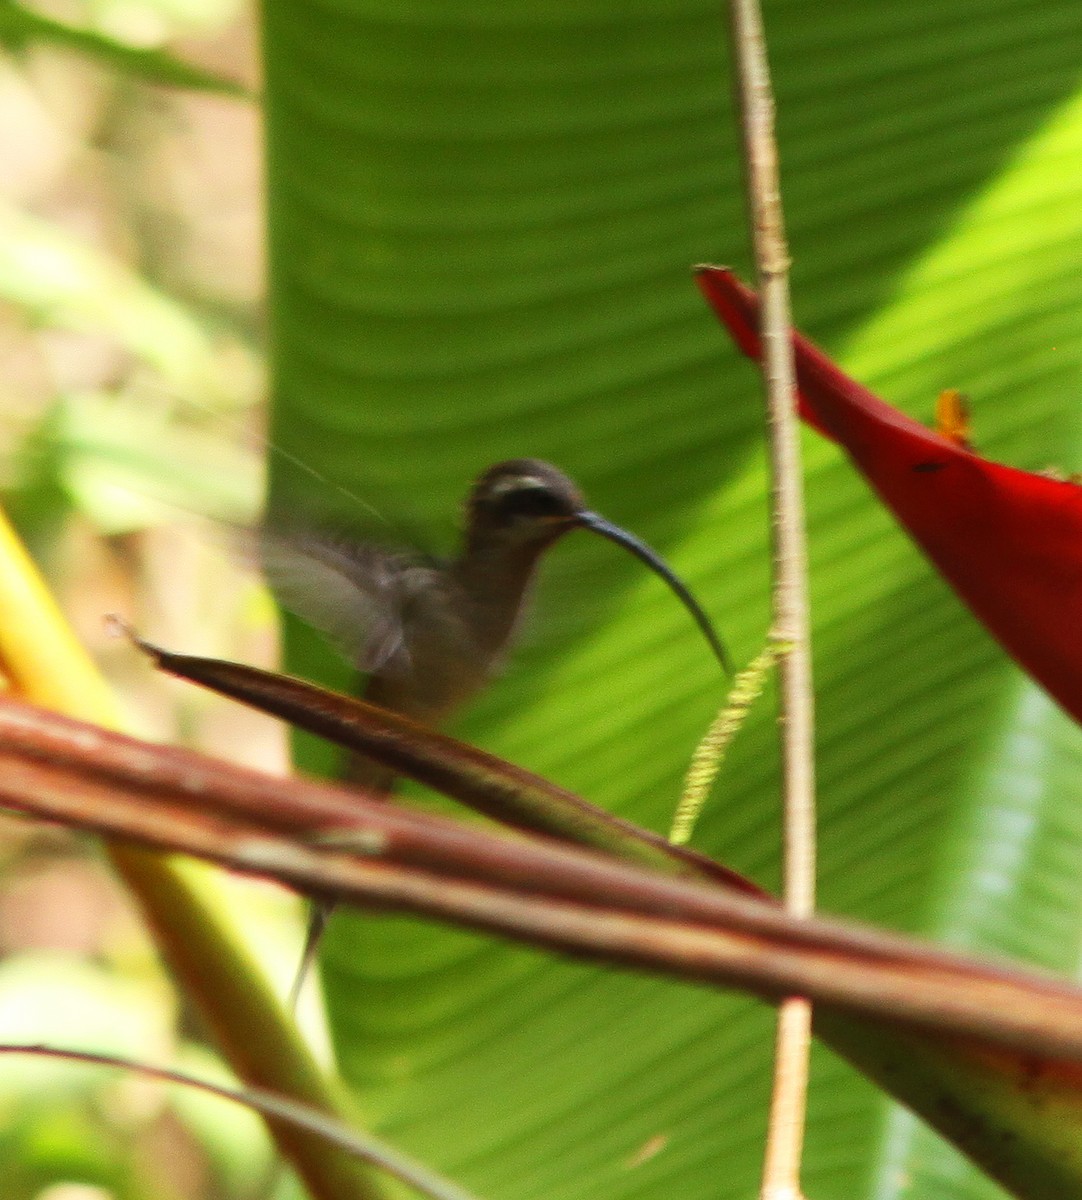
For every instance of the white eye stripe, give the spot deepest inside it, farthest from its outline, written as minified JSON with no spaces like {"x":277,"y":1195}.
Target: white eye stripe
{"x":519,"y":483}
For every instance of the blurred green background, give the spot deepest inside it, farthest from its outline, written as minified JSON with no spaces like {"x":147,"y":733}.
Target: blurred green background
{"x":481,"y":221}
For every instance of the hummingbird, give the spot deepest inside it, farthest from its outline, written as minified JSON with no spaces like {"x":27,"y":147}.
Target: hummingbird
{"x":431,"y":634}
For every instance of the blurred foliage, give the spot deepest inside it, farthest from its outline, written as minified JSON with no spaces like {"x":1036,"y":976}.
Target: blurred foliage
{"x":130,"y":241}
{"x":19,"y":25}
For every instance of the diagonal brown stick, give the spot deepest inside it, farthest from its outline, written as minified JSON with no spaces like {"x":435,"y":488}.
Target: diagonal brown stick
{"x":507,"y":793}
{"x":534,"y":890}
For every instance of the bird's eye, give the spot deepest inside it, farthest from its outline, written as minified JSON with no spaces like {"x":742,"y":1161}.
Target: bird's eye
{"x":532,"y":500}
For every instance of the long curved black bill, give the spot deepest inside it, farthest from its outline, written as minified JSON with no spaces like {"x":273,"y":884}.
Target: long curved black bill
{"x":597,"y":523}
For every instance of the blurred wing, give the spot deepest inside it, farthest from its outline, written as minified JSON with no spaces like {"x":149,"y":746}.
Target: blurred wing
{"x":353,"y":594}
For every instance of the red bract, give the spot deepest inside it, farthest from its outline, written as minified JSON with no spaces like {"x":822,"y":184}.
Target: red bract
{"x":1009,"y":542}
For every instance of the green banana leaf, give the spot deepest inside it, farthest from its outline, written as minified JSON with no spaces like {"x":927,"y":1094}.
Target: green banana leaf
{"x":482,"y":218}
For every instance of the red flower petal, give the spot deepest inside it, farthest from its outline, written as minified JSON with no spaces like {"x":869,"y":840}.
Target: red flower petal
{"x":1009,"y":542}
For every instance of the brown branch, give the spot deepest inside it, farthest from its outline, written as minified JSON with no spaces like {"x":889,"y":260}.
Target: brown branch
{"x":508,"y":794}
{"x":534,"y":890}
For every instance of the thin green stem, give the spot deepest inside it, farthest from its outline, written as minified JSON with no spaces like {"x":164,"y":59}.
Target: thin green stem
{"x":781,"y":1173}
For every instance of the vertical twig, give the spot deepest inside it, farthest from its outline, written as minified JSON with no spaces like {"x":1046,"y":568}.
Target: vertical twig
{"x":781,"y":1171}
